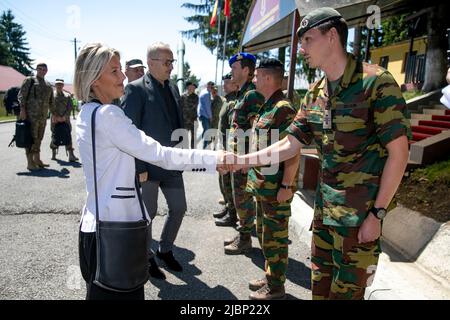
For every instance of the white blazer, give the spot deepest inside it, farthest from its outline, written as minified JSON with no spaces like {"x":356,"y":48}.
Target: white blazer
{"x":118,"y":143}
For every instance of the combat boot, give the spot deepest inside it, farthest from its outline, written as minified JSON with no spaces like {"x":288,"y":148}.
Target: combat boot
{"x":241,"y":245}
{"x":72,"y":157}
{"x":255,"y":285}
{"x":231,"y":240}
{"x":221,"y":214}
{"x":37,"y":160}
{"x":269,"y":293}
{"x":30,"y":163}
{"x":54,"y":154}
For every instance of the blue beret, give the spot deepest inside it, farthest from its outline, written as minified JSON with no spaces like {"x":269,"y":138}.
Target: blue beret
{"x":242,"y":56}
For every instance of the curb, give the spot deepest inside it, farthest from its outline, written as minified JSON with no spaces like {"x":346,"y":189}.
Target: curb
{"x":415,"y":263}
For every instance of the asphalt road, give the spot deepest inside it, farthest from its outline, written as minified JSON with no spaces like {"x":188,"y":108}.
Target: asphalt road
{"x":39,"y":216}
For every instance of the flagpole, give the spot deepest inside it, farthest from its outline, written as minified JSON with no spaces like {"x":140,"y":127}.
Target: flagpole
{"x":218,"y":41}
{"x":224,"y":49}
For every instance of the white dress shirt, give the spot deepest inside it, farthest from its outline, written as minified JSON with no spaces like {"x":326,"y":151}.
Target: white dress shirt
{"x":118,"y":143}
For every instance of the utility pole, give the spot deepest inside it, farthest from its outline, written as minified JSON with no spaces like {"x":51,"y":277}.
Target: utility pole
{"x":75,"y":47}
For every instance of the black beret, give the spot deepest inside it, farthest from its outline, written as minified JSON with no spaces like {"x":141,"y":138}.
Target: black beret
{"x":269,"y":63}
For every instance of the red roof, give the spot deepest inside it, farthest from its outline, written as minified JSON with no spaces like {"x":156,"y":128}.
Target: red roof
{"x":9,"y":77}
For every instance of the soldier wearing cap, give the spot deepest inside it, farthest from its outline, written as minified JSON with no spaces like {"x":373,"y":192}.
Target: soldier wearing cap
{"x":356,"y":115}
{"x":245,"y":109}
{"x":134,"y":69}
{"x":35,"y":98}
{"x":189,"y":103}
{"x":230,"y":88}
{"x":60,"y":112}
{"x":216,"y":104}
{"x":272,"y":187}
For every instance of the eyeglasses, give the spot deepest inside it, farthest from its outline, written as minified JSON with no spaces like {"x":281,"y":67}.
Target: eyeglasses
{"x":167,"y":63}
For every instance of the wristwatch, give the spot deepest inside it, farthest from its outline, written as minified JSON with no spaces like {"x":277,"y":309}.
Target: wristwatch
{"x":285,"y":186}
{"x":379,"y":213}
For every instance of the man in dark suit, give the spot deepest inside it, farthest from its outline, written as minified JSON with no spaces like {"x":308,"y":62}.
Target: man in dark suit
{"x":153,"y":104}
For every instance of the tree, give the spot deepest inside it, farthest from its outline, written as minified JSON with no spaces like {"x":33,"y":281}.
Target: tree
{"x":208,"y":35}
{"x":187,"y":76}
{"x":13,"y":35}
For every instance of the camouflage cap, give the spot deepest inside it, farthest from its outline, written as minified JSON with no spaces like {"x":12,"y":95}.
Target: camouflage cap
{"x":134,"y":63}
{"x":317,"y":17}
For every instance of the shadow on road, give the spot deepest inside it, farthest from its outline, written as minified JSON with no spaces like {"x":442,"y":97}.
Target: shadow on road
{"x":193,"y":288}
{"x":47,"y":173}
{"x":69,"y":164}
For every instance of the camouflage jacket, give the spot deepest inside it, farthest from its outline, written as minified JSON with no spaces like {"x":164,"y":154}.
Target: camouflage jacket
{"x":189,"y":105}
{"x":40,"y":97}
{"x":216,"y":105}
{"x":62,"y":106}
{"x":367,"y":111}
{"x":275,"y":115}
{"x":245,"y":108}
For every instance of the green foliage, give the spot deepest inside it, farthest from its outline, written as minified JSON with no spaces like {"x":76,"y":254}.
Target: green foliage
{"x":207,"y":35}
{"x":187,"y":76}
{"x":438,"y":172}
{"x":14,"y":51}
{"x":412,"y":94}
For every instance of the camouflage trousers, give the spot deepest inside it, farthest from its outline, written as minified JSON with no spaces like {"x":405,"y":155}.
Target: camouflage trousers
{"x":37,"y":132}
{"x":341,"y":268}
{"x":227,"y":190}
{"x":52,"y":145}
{"x":243,"y":202}
{"x":272,"y":227}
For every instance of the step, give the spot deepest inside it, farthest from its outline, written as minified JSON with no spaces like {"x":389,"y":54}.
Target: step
{"x":447,"y":112}
{"x":440,"y":107}
{"x":421,"y":116}
{"x":439,"y":124}
{"x":436,"y":112}
{"x":420,"y":136}
{"x":426,"y":130}
{"x":441,"y":118}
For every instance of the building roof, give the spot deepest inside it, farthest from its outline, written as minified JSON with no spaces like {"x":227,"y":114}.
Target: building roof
{"x":9,"y":77}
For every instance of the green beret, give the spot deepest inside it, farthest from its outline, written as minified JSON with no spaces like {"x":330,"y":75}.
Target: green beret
{"x":316,"y":18}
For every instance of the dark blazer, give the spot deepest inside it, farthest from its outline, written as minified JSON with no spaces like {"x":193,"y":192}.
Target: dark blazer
{"x":146,"y":107}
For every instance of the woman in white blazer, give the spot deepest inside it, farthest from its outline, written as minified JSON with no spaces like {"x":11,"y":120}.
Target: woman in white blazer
{"x":99,"y":80}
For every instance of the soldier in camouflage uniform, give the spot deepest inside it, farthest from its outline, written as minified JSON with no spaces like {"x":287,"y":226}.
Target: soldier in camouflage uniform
{"x":230,"y":88}
{"x":189,"y":103}
{"x":356,"y":116}
{"x":246,"y":108}
{"x":272,"y":187}
{"x":60,"y":112}
{"x":216,"y":104}
{"x":35,"y":98}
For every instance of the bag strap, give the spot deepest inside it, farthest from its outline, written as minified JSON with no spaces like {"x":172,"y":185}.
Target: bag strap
{"x":94,"y":161}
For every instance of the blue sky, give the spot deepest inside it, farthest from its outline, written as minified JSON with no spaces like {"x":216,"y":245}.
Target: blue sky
{"x":129,"y":26}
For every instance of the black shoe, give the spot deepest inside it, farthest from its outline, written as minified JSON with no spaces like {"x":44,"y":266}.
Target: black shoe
{"x":227,"y":221}
{"x":169,"y":260}
{"x":221,"y":214}
{"x":155,"y":271}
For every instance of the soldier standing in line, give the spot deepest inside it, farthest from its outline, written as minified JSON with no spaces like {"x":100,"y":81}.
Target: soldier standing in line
{"x":216,"y":104}
{"x":36,"y":97}
{"x":189,"y":103}
{"x":60,"y":112}
{"x":272,"y":187}
{"x":246,"y":108}
{"x":356,"y":115}
{"x":230,"y":88}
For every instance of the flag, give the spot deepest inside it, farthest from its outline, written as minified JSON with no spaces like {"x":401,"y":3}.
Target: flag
{"x":213,"y":21}
{"x":227,"y":9}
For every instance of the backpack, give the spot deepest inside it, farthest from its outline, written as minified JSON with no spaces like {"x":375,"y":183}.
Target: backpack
{"x":23,"y":137}
{"x":61,"y":134}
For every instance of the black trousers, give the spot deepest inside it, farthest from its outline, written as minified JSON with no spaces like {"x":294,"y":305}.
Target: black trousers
{"x":88,"y":266}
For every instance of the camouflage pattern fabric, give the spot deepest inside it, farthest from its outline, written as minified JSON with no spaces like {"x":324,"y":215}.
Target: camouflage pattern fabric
{"x":272,"y":227}
{"x":341,"y":268}
{"x":276,"y":114}
{"x":61,"y":108}
{"x":37,"y":105}
{"x":227,"y":191}
{"x":245,"y":109}
{"x":367,"y":112}
{"x":216,"y":106}
{"x":296,"y":99}
{"x":189,"y":105}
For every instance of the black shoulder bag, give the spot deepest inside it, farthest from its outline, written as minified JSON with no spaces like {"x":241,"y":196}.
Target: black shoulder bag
{"x":122,"y":254}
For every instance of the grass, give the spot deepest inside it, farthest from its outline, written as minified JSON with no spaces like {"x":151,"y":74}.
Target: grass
{"x":435,"y":173}
{"x":412,"y":94}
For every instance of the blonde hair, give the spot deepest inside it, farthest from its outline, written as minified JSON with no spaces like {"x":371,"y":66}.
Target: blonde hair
{"x":90,"y":63}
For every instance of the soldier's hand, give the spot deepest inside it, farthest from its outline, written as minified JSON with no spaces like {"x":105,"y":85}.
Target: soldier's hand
{"x":370,"y":229}
{"x":284,"y":195}
{"x":143,"y":177}
{"x":23,"y":114}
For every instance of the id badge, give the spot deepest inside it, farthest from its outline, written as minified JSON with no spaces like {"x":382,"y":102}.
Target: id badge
{"x":327,"y":119}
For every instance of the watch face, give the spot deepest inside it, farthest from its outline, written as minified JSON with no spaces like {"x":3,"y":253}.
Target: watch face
{"x":381,"y":213}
